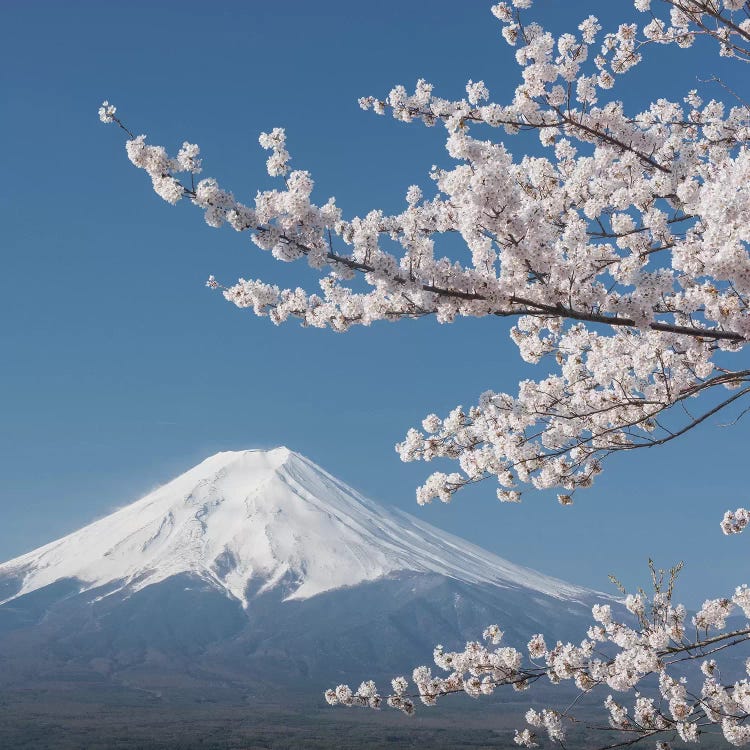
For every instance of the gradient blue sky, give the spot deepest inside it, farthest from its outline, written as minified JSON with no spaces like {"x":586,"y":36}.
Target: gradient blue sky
{"x":120,"y":369}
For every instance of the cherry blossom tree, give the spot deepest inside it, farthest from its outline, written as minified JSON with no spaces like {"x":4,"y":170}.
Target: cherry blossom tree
{"x":621,"y":258}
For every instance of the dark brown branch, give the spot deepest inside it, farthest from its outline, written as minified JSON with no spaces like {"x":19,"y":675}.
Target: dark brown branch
{"x":557,"y":311}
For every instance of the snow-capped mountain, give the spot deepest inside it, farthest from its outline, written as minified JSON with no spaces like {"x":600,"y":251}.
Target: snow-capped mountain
{"x":266,"y":518}
{"x":257,"y":568}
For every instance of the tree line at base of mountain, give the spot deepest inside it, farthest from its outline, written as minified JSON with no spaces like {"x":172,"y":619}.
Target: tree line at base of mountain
{"x":47,"y":720}
{"x":71,"y":718}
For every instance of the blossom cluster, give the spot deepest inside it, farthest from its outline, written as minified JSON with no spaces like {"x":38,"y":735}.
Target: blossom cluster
{"x":621,"y":253}
{"x":734,"y":522}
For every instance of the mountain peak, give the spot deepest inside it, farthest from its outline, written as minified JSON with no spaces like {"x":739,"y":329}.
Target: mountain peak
{"x":273,"y":456}
{"x":255,"y":520}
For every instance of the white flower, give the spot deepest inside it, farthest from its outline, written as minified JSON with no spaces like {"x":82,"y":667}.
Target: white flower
{"x":107,"y":112}
{"x":735,"y":522}
{"x":525,"y":738}
{"x":537,"y":647}
{"x":477,"y":92}
{"x":713,"y":613}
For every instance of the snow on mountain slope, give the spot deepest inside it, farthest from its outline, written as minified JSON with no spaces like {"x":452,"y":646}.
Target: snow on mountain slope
{"x":270,"y":517}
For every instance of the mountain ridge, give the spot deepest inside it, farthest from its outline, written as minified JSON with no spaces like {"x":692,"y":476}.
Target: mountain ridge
{"x":256,"y":520}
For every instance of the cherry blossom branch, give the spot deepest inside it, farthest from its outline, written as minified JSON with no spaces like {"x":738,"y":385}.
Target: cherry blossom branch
{"x":635,"y":654}
{"x":622,"y":254}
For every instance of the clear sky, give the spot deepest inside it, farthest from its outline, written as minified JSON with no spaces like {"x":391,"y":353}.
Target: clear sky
{"x":120,"y":369}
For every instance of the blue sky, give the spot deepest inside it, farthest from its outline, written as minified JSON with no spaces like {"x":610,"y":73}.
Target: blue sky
{"x":120,"y":369}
